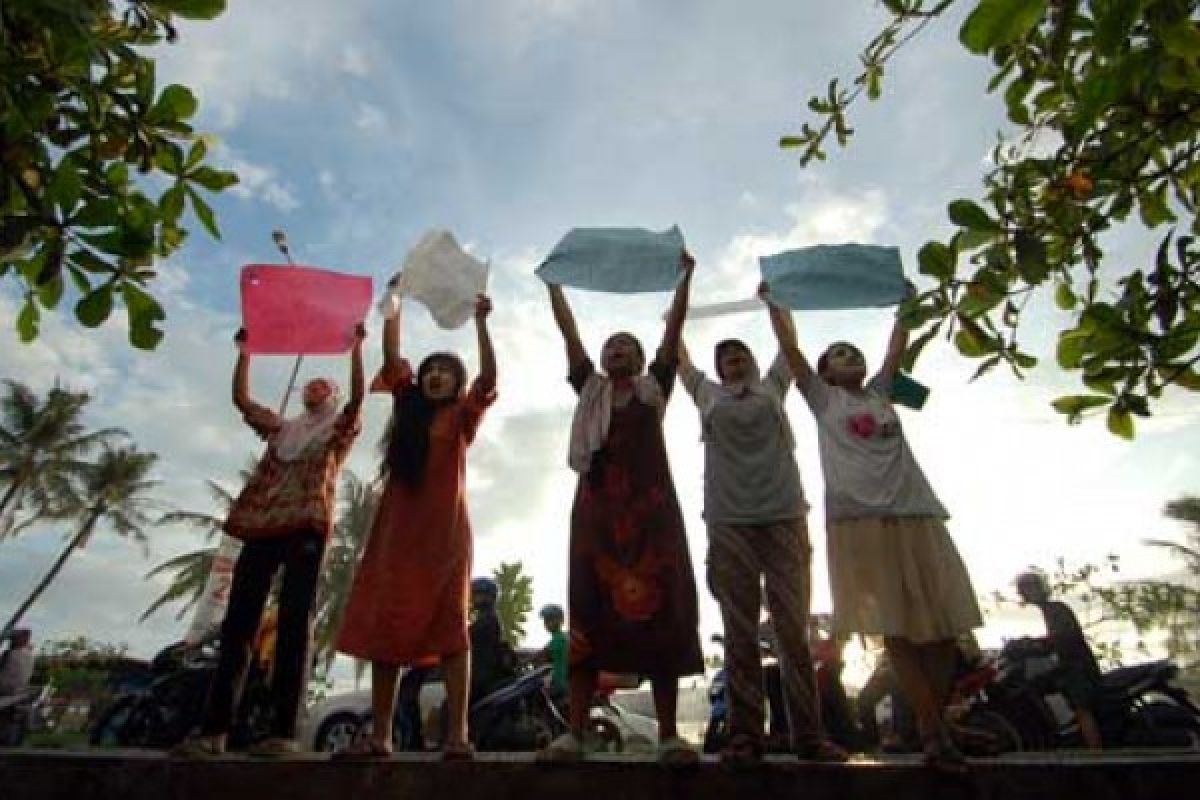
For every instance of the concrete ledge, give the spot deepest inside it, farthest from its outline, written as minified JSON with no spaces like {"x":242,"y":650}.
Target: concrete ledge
{"x":139,"y":775}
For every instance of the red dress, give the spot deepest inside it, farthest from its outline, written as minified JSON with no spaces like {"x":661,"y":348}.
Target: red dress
{"x":631,"y":588}
{"x":410,"y":596}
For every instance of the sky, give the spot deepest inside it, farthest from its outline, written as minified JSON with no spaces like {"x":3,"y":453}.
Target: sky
{"x":356,"y":126}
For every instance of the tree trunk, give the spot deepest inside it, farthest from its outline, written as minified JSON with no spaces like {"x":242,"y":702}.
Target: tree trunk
{"x":9,"y":495}
{"x":84,"y":531}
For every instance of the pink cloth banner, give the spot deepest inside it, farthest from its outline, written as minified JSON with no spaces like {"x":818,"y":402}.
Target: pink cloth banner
{"x":291,"y":309}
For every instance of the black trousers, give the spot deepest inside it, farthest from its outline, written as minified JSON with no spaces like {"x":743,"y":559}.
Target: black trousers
{"x":300,"y":557}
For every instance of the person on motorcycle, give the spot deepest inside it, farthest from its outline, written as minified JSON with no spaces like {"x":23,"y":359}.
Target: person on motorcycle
{"x":555,"y":651}
{"x":16,"y":663}
{"x":1080,"y":674}
{"x":493,"y":661}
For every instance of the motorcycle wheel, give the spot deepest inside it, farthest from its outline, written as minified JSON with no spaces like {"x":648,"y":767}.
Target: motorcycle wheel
{"x":1007,"y":737}
{"x":1163,"y":724}
{"x":603,"y":736}
{"x":107,"y":732}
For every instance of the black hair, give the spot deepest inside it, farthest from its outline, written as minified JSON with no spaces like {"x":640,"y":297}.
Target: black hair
{"x":723,"y":347}
{"x":406,"y":442}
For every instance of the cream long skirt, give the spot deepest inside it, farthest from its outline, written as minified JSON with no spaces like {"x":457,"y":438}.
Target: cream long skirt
{"x":899,"y":576}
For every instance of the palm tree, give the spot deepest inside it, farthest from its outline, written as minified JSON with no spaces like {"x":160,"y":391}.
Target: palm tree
{"x":112,"y":489}
{"x":358,"y":500}
{"x":514,"y":601}
{"x":191,"y":569}
{"x":41,"y":443}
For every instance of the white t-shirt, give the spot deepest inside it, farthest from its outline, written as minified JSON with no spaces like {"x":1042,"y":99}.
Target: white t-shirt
{"x":16,"y":671}
{"x":869,"y":469}
{"x":750,"y":472}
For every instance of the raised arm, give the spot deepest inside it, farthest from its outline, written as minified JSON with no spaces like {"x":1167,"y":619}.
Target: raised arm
{"x":241,"y":374}
{"x":685,"y":358}
{"x":566,"y":325}
{"x":785,"y":333}
{"x":668,"y":349}
{"x":358,"y":384}
{"x":391,"y":343}
{"x":897,"y":342}
{"x":487,"y":354}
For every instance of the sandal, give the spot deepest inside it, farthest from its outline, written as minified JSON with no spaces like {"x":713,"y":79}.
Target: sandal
{"x":742,"y":751}
{"x":941,"y":755}
{"x":197,"y":748}
{"x":458,"y":751}
{"x":364,"y":749}
{"x":822,"y":751}
{"x":675,"y":752}
{"x":565,"y":749}
{"x":274,"y":747}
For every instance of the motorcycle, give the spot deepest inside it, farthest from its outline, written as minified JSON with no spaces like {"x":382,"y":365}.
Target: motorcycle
{"x":18,"y":712}
{"x":1136,"y":706}
{"x":163,"y":713}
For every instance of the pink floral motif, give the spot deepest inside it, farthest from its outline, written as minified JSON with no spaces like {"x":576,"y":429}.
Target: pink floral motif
{"x":862,"y":425}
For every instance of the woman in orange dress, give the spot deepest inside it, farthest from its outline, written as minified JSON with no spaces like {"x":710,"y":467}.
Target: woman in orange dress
{"x":408,"y":605}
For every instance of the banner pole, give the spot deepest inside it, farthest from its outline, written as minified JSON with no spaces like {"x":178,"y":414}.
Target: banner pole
{"x":281,"y":242}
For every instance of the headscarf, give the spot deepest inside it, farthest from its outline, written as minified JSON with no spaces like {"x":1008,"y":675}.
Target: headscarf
{"x":295,"y":435}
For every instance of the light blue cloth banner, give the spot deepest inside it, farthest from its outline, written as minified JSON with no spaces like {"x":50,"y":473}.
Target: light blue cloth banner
{"x":621,"y":260}
{"x":829,"y":277}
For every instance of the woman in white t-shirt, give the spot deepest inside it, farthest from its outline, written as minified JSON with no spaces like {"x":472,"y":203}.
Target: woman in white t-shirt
{"x":894,"y":571}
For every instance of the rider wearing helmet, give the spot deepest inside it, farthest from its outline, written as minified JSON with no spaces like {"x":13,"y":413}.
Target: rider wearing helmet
{"x":493,"y":662}
{"x":555,"y":651}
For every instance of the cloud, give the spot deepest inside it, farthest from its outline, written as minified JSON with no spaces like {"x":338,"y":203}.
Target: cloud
{"x":370,"y":118}
{"x":259,"y":182}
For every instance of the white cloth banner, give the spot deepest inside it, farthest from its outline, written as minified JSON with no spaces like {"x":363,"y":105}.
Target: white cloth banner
{"x":210,"y":610}
{"x":441,"y":276}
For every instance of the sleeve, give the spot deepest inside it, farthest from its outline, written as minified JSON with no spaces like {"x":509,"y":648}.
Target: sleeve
{"x":393,"y":376}
{"x":694,"y":382}
{"x":263,"y":420}
{"x":814,"y":390}
{"x":345,"y":431}
{"x":473,"y":406}
{"x":664,"y":373}
{"x":779,"y":375}
{"x":578,"y":376}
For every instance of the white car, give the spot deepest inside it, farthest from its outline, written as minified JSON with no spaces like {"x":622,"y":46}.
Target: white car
{"x":332,"y":724}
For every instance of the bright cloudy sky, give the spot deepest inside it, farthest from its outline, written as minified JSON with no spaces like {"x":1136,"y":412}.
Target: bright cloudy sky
{"x":357,"y":125}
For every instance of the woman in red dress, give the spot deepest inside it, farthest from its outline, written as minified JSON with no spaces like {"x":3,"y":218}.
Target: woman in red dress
{"x":408,"y":605}
{"x":631,"y":590}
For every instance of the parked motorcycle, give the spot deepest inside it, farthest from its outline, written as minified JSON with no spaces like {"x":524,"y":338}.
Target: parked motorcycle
{"x":1137,"y":706}
{"x":165,"y":712}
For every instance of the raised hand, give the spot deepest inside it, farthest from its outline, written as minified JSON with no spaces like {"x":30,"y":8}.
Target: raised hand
{"x":483,"y":306}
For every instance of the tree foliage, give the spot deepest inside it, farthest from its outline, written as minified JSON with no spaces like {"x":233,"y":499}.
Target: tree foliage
{"x":87,"y":140}
{"x":1103,"y":97}
{"x":514,"y":601}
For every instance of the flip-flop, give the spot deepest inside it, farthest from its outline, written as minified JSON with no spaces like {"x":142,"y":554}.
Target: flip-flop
{"x":365,"y":749}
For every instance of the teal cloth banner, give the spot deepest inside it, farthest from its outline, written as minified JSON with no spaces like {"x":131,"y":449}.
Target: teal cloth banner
{"x":830,"y":277}
{"x":620,"y":260}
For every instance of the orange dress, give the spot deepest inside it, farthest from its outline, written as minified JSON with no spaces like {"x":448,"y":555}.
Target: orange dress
{"x":409,"y":601}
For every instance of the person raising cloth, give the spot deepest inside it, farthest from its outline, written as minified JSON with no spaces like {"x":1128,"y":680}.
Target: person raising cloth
{"x":631,"y":593}
{"x":758,"y":547}
{"x":893,"y":569}
{"x":408,"y":604}
{"x":283,"y":516}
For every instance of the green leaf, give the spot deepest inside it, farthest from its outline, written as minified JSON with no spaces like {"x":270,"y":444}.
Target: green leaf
{"x":968,"y":214}
{"x":792,"y":141}
{"x":1120,"y":422}
{"x":196,"y":154}
{"x":212,"y":179}
{"x":28,"y":321}
{"x":95,"y":306}
{"x":1072,"y":346}
{"x":174,"y":103}
{"x":50,"y":292}
{"x":969,"y":344}
{"x":1152,"y":205}
{"x":1031,"y":257}
{"x":171,"y":203}
{"x":994,"y":23}
{"x":1077,"y":403}
{"x":204,"y":213}
{"x":143,"y":311}
{"x":65,"y":187}
{"x":191,"y":9}
{"x":1064,"y":298}
{"x":937,"y":261}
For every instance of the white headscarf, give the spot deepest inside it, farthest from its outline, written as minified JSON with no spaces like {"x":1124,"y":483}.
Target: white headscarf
{"x":316,"y":426}
{"x":589,"y":427}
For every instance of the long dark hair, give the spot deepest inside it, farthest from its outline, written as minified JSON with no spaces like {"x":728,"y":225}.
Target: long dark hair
{"x":406,"y":442}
